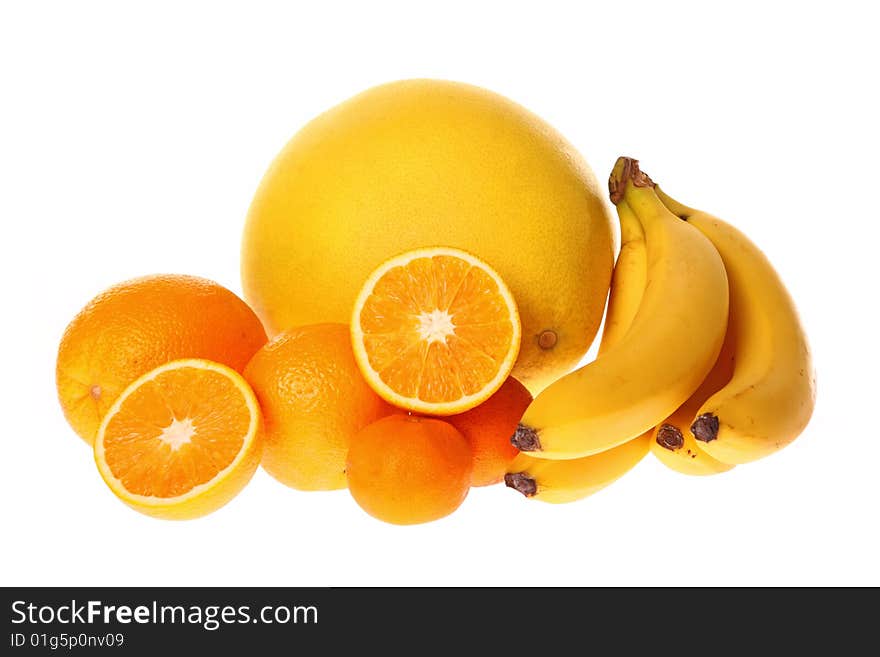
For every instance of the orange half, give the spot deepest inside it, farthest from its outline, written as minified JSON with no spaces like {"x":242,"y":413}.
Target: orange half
{"x":182,"y":440}
{"x":435,"y":331}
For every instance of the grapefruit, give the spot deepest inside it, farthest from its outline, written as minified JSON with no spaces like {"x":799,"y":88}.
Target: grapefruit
{"x":419,"y":163}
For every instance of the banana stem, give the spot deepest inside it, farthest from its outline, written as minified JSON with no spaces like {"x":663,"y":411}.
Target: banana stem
{"x":626,"y":169}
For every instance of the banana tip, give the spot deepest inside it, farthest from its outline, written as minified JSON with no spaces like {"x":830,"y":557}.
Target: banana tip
{"x":521,"y":482}
{"x":525,"y":439}
{"x":626,"y":169}
{"x":705,"y":427}
{"x":670,"y":437}
{"x":620,"y":173}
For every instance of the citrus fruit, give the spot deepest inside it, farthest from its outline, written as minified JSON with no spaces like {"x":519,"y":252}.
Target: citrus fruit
{"x":140,"y":324}
{"x":488,"y":428}
{"x":314,"y":400}
{"x":180,"y":441}
{"x":406,"y":469}
{"x":435,"y":331}
{"x":420,"y":162}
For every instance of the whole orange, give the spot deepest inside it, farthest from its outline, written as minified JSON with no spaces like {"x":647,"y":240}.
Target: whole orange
{"x":314,"y":400}
{"x":488,"y":428}
{"x":406,"y":469}
{"x":139,"y":324}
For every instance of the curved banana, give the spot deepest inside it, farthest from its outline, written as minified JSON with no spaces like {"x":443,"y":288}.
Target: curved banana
{"x":770,"y":398}
{"x":672,"y":441}
{"x":628,"y":279}
{"x":567,"y":481}
{"x":660,"y":361}
{"x":570,"y":480}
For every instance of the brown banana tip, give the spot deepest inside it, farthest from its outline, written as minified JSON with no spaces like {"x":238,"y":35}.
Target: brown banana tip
{"x":670,"y":437}
{"x":705,"y":427}
{"x":521,"y":482}
{"x":626,"y":169}
{"x":639,"y":177}
{"x":525,"y":439}
{"x":620,"y":173}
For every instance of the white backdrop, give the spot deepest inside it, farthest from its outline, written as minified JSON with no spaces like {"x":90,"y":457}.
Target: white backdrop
{"x":131,"y":141}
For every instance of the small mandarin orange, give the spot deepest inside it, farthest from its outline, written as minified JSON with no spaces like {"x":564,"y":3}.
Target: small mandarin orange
{"x":406,"y":469}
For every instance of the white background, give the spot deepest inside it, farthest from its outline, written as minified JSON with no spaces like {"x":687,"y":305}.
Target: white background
{"x":132,"y":140}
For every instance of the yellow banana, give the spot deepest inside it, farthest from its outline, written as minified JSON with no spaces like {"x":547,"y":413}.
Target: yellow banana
{"x":627,"y":281}
{"x":663,"y":357}
{"x":566,"y":481}
{"x":569,"y":480}
{"x":672,"y":441}
{"x":770,"y":398}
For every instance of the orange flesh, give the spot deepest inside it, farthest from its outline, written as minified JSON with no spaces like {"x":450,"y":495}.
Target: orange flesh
{"x":457,"y":362}
{"x":175,"y":432}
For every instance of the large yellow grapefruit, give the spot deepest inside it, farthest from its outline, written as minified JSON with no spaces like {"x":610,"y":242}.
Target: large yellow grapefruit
{"x":421,"y":163}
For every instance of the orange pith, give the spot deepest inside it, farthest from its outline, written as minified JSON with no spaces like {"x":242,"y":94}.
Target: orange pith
{"x":436,"y":331}
{"x":176,"y":432}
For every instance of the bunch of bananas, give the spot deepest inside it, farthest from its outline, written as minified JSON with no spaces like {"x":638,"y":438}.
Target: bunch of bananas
{"x":703,"y":360}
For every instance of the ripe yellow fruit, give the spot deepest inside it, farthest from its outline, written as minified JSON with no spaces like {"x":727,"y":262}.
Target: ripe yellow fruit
{"x":419,"y":163}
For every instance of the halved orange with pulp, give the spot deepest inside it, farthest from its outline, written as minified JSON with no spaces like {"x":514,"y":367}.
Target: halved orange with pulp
{"x":182,"y":440}
{"x":435,"y":331}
